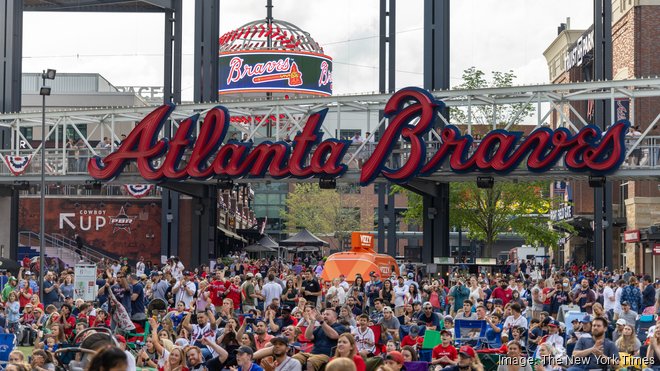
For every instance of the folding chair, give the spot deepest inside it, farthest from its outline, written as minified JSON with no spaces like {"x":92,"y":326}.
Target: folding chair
{"x":377,"y":336}
{"x":7,"y":345}
{"x":135,"y":340}
{"x":460,"y":325}
{"x":643,"y":325}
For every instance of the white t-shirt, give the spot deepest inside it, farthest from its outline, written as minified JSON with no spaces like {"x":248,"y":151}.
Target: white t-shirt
{"x":338,"y":292}
{"x":289,"y":364}
{"x":400,"y":295}
{"x":270,"y":291}
{"x":139,"y":269}
{"x":608,"y":294}
{"x":512,"y":322}
{"x":617,"y":300}
{"x":130,"y":361}
{"x":182,"y":294}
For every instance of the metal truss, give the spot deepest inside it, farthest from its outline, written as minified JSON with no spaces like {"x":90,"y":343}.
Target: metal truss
{"x":250,"y":116}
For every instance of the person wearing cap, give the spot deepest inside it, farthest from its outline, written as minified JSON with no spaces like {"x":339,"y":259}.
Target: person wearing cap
{"x":628,"y":314}
{"x":364,"y":336}
{"x":184,"y":289}
{"x":618,"y":329}
{"x":467,"y":360}
{"x":599,"y":350}
{"x":394,"y":360}
{"x":280,"y":361}
{"x":248,"y":294}
{"x":159,"y":286}
{"x":411,"y":280}
{"x":244,"y":359}
{"x":413,"y":338}
{"x":400,"y":292}
{"x":390,"y":324}
{"x":444,"y":354}
{"x":10,"y":286}
{"x":275,"y":325}
{"x":429,"y":318}
{"x":553,"y":336}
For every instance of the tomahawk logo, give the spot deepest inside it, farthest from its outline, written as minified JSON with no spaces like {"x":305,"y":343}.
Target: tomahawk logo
{"x":122,"y":221}
{"x":365,"y":239}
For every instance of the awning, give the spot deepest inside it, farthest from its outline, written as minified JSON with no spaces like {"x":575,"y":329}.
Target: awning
{"x":231,"y":234}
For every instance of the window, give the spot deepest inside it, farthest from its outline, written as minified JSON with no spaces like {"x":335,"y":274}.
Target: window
{"x":349,"y":133}
{"x":71,"y":132}
{"x":27,"y":132}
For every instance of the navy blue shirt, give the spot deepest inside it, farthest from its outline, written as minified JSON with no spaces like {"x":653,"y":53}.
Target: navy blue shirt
{"x":322,"y":343}
{"x":137,"y":305}
{"x":50,"y":297}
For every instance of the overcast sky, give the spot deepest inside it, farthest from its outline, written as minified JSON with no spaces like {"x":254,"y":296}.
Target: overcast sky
{"x":492,"y":35}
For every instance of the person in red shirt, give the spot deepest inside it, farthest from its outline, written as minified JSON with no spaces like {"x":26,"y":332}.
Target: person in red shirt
{"x":67,"y":321}
{"x":234,"y":292}
{"x":217,"y":290}
{"x":413,"y":339}
{"x":445,"y":353}
{"x":502,"y":292}
{"x":24,"y":294}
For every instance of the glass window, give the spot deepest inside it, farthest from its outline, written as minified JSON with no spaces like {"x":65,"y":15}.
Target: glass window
{"x":27,"y":132}
{"x":274,"y":199}
{"x":273,"y":212}
{"x":260,"y":211}
{"x":260,"y":199}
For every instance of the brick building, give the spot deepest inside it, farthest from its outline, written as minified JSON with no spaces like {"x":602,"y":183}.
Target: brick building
{"x":636,"y":46}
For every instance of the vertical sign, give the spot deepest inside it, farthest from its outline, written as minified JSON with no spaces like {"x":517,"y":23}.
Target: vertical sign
{"x":85,"y":282}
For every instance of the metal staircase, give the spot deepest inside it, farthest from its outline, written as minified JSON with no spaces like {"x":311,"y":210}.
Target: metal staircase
{"x":62,"y":247}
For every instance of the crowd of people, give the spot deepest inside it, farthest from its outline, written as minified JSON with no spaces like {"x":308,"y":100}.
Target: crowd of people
{"x":253,"y":314}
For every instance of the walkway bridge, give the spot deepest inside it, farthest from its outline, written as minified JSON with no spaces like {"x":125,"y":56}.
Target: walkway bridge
{"x":260,"y":119}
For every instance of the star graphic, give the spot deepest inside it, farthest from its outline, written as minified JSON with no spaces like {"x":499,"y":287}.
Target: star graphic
{"x":122,"y":221}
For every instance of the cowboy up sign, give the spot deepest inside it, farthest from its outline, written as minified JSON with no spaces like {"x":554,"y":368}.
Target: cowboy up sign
{"x":499,"y":151}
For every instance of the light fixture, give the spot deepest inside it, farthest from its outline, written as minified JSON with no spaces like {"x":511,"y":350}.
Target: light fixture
{"x":225,"y":183}
{"x":44,"y":90}
{"x":21,"y":186}
{"x":596,"y":181}
{"x":485,"y":182}
{"x":49,"y":74}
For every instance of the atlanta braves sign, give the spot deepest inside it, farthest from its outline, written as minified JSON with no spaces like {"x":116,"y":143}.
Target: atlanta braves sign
{"x":500,"y":151}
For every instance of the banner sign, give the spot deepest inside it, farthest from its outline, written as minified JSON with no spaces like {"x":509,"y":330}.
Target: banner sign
{"x":622,"y":108}
{"x":85,"y":282}
{"x":631,"y":236}
{"x":583,"y":45}
{"x":656,"y":249}
{"x":309,"y":155}
{"x":275,"y":71}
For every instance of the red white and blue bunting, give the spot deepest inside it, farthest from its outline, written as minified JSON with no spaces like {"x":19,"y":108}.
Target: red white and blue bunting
{"x":17,"y":164}
{"x":138,"y":190}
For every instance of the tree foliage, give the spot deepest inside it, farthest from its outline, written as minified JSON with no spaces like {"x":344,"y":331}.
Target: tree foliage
{"x":520,"y":208}
{"x":485,"y":114}
{"x":320,"y":211}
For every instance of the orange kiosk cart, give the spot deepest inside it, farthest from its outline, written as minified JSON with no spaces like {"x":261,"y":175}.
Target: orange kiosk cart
{"x":361,"y":259}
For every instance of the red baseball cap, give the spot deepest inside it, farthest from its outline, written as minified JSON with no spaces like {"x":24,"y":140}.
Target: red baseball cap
{"x":120,"y":339}
{"x":396,"y":357}
{"x":467,"y":350}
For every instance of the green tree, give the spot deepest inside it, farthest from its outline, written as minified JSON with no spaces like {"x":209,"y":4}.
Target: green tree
{"x":508,"y":207}
{"x":486,"y":114}
{"x":320,"y":211}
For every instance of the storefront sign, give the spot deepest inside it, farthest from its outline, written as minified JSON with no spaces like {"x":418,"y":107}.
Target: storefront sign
{"x":631,"y":236}
{"x":575,"y":55}
{"x":275,"y":72}
{"x":563,"y":213}
{"x":656,"y":249}
{"x":309,"y":156}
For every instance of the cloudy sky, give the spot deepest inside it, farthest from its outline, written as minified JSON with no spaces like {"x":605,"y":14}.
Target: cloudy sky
{"x":492,"y":35}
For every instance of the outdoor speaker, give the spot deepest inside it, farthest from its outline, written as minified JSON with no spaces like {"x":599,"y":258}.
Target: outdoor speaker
{"x":327,"y":183}
{"x":596,"y":181}
{"x":485,"y":182}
